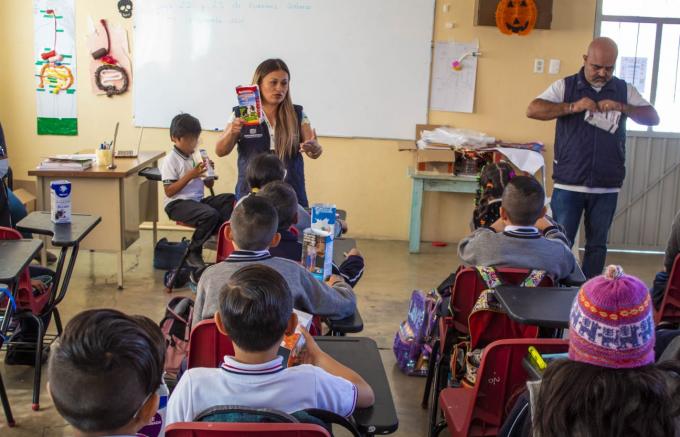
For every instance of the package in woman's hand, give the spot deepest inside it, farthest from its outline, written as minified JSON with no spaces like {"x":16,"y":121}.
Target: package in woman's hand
{"x":250,"y":104}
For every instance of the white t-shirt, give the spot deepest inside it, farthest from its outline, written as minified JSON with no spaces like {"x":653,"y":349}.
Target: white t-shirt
{"x":266,"y":385}
{"x":555,"y":94}
{"x":175,"y":165}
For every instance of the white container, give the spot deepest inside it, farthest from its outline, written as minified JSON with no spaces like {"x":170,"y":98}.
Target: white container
{"x":60,"y":201}
{"x":210,"y":171}
{"x":157,"y":426}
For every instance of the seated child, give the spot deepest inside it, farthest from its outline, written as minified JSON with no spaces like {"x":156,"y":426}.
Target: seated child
{"x":266,"y":168}
{"x":492,"y":181}
{"x":284,"y":199}
{"x":255,"y":310}
{"x":183,"y":186}
{"x":672,"y":250}
{"x":253,"y":230}
{"x":610,"y":385}
{"x":104,"y":372}
{"x":522,"y":237}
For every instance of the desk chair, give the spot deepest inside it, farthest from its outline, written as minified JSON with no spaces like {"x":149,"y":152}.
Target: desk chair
{"x":207,"y":345}
{"x":465,"y":291}
{"x":670,"y":305}
{"x":29,"y":305}
{"x":481,"y":410}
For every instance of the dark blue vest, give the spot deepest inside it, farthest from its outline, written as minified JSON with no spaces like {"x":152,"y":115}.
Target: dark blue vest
{"x":255,"y":140}
{"x":584,"y":154}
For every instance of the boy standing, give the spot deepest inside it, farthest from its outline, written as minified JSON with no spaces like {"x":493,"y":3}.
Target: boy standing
{"x":255,"y":311}
{"x":184,"y":201}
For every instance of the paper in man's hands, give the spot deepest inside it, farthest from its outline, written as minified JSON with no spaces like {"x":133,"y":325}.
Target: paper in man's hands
{"x":607,"y":121}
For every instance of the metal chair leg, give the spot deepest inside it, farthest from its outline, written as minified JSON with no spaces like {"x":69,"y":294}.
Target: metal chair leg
{"x":38,"y":363}
{"x":431,"y":365}
{"x":5,"y":404}
{"x":57,"y":321}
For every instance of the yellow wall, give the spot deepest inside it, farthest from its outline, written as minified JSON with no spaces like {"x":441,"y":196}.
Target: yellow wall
{"x":365,"y":177}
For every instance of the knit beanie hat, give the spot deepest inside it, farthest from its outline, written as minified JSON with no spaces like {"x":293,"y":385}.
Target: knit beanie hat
{"x":611,"y":323}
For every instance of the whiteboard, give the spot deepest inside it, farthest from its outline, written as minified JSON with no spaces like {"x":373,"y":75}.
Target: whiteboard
{"x":360,"y":68}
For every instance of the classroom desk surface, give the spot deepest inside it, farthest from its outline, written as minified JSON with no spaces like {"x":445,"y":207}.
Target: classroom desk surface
{"x":547,"y":307}
{"x":122,"y":197}
{"x":124,"y":167}
{"x":361,"y":355}
{"x":15,"y":255}
{"x":63,"y":234}
{"x":340,"y":247}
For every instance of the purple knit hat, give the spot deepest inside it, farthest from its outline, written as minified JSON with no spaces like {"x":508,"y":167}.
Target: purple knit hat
{"x":611,"y":323}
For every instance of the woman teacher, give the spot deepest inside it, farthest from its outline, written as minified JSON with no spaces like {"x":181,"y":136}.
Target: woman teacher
{"x":285,"y":131}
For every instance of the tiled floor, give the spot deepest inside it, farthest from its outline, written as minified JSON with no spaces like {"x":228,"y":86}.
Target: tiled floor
{"x":383,"y":293}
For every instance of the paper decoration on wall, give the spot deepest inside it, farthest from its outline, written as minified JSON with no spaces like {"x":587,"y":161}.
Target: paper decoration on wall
{"x":516,"y":16}
{"x":110,"y":63}
{"x":452,"y":90}
{"x":55,"y":66}
{"x":125,"y":8}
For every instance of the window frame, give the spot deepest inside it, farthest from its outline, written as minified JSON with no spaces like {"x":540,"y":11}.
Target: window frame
{"x":660,"y":22}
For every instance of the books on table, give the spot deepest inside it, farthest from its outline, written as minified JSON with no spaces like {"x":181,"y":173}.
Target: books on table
{"x":67,"y":162}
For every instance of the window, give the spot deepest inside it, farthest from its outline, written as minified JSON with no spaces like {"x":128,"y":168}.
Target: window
{"x":648,"y":36}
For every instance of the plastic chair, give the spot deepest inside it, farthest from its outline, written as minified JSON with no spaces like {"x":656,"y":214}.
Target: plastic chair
{"x":215,"y":429}
{"x":480,"y":411}
{"x":224,"y":245}
{"x":670,"y":306}
{"x":207,"y":345}
{"x":465,"y":292}
{"x":469,"y":286}
{"x":31,"y":306}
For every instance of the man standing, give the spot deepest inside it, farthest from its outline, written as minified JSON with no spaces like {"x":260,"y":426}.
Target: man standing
{"x":589,"y":165}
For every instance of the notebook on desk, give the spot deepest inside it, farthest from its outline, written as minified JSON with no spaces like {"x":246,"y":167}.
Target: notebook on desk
{"x":130,"y":153}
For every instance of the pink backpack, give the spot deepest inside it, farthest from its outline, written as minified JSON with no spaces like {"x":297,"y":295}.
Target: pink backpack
{"x":176,"y":327}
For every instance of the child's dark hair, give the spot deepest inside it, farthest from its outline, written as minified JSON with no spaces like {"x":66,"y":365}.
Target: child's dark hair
{"x":284,"y":199}
{"x":523,"y":200}
{"x":102,"y":370}
{"x":255,"y":306}
{"x":263,"y":169}
{"x":492,"y":181}
{"x":154,"y":332}
{"x":254,"y":223}
{"x":580,"y":399}
{"x":184,"y":125}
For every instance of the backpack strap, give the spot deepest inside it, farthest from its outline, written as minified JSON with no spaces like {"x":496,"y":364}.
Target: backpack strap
{"x":489,"y":276}
{"x":534,"y":278}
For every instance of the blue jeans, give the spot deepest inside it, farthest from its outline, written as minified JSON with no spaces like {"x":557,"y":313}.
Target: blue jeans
{"x":567,"y":208}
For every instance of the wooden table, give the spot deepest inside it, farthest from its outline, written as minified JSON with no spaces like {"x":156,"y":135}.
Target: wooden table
{"x":438,"y":183}
{"x":121,"y":197}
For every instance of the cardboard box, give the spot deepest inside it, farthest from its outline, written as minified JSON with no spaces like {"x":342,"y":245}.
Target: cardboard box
{"x":430,"y":161}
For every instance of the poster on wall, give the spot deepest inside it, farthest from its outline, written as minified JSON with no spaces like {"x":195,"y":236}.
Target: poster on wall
{"x":634,"y":70}
{"x":55,"y":66}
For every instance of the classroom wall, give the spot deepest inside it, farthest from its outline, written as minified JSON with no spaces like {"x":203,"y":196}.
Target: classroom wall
{"x":365,"y":177}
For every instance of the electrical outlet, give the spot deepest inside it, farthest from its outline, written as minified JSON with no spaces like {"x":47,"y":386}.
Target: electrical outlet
{"x":539,"y":65}
{"x":554,"y":66}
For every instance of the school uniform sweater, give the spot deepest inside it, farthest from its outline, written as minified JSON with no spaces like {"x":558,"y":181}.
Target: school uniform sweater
{"x":351,"y":269}
{"x":309,"y":294}
{"x":522,"y":247}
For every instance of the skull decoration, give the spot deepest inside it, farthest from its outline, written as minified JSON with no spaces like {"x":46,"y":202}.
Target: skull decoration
{"x":516,"y":16}
{"x":125,"y":8}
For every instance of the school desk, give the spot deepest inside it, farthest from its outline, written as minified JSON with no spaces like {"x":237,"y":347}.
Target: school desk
{"x":361,"y":355}
{"x":546,"y":307}
{"x":121,"y":197}
{"x":15,"y":255}
{"x":437,"y":183}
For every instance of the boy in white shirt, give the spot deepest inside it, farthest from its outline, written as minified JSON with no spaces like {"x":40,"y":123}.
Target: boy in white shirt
{"x":184,"y":201}
{"x":256,"y":310}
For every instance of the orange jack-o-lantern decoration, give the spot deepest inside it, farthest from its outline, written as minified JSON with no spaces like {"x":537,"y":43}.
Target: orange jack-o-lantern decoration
{"x":516,"y":16}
